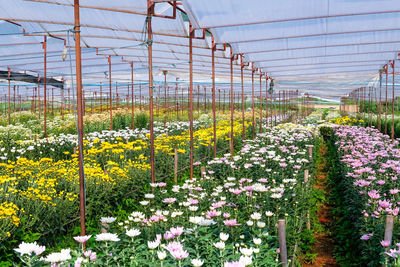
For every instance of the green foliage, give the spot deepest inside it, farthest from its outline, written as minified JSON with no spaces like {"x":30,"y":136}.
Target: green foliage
{"x":141,"y":120}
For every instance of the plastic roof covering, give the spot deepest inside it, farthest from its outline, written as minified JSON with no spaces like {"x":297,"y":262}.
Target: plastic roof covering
{"x":303,"y":43}
{"x":114,"y":33}
{"x":325,"y":47}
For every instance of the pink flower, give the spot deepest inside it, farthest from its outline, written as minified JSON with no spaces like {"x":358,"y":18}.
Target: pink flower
{"x":82,"y":239}
{"x":226,"y":215}
{"x":177,"y":231}
{"x":169,"y":200}
{"x":176,"y":250}
{"x":168,"y":235}
{"x":366,"y":237}
{"x":232,"y":222}
{"x":374,"y":194}
{"x":385,"y":243}
{"x":179,"y":254}
{"x":234,"y":264}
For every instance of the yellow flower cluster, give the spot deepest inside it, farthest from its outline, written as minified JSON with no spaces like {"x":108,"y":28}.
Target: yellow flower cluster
{"x":9,"y":211}
{"x":346,"y":121}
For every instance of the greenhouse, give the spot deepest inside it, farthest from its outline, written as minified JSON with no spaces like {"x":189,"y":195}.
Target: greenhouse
{"x":199,"y":133}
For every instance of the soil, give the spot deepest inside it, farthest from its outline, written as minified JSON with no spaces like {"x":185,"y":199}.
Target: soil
{"x":324,"y":245}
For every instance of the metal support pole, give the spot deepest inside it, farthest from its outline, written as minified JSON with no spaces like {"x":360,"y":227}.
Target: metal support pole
{"x":80,"y":113}
{"x":241,"y":81}
{"x":261,"y":109}
{"x":45,"y":85}
{"x":150,"y":12}
{"x":133,"y":103}
{"x":252,"y":104}
{"x":386,"y":101}
{"x":62,"y":100}
{"x":9,"y":97}
{"x":213,"y":97}
{"x":266,"y":99}
{"x":191,"y":35}
{"x":231,"y":141}
{"x":109,"y":78}
{"x":393,"y":67}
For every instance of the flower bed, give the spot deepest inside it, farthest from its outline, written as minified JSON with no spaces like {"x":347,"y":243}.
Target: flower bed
{"x":226,"y":218}
{"x":367,"y":188}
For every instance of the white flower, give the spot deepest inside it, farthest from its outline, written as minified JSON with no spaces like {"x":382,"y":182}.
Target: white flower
{"x":261,"y":224}
{"x":107,"y":219}
{"x":197,"y":262}
{"x":245,"y":260}
{"x":153,"y":244}
{"x":256,"y":216}
{"x":149,"y":196}
{"x":58,"y":257}
{"x":269,"y":213}
{"x":144,"y":202}
{"x":107,"y":237}
{"x":257,"y":241}
{"x":161,"y":255}
{"x":223,"y":236}
{"x":28,"y":248}
{"x":193,"y":208}
{"x":249,"y":223}
{"x":133,"y":232}
{"x":246,"y":251}
{"x":220,"y":245}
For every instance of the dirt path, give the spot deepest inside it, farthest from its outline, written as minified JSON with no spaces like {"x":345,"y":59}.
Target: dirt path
{"x":324,"y":245}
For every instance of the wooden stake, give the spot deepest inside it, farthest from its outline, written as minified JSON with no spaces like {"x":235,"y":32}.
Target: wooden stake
{"x":282,"y":242}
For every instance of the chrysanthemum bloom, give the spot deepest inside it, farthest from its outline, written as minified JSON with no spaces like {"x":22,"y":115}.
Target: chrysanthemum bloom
{"x":179,"y":254}
{"x":256,"y":216}
{"x":161,"y":255}
{"x":59,"y":257}
{"x":234,"y":264}
{"x":133,"y":232}
{"x":223,"y":236}
{"x":220,"y":245}
{"x":257,"y":241}
{"x":29,"y":248}
{"x":107,"y":237}
{"x":176,"y":231}
{"x":366,"y":236}
{"x":153,"y":244}
{"x":197,"y":262}
{"x":246,"y":251}
{"x":232,"y":222}
{"x":82,"y":239}
{"x":107,"y":219}
{"x":385,"y":243}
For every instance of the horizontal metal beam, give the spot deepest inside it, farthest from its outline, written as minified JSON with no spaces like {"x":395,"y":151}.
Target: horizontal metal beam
{"x":23,"y":77}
